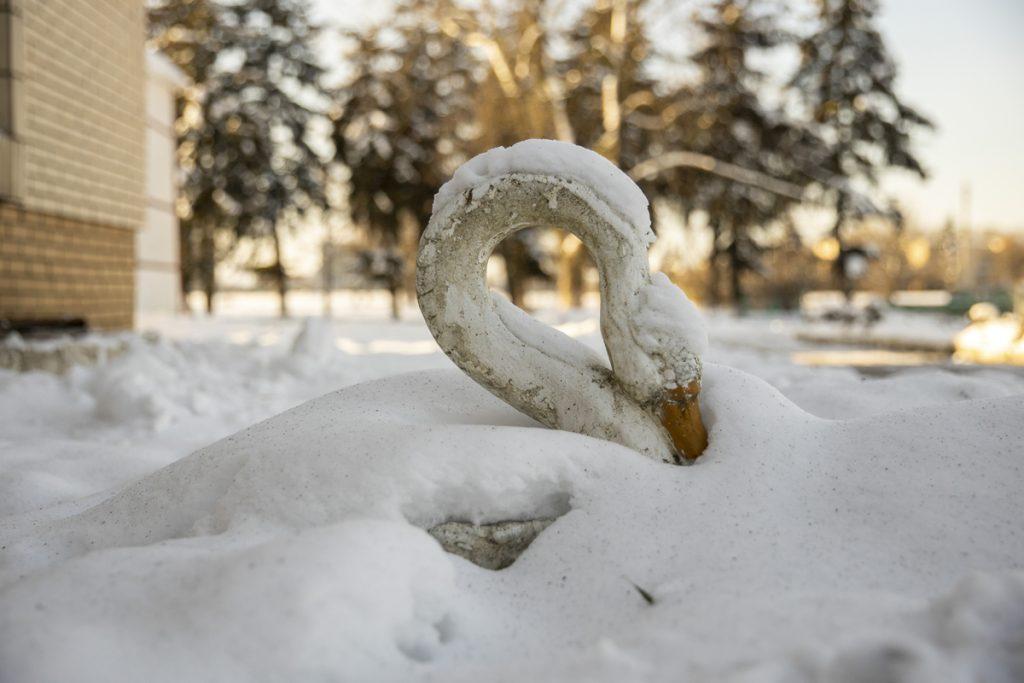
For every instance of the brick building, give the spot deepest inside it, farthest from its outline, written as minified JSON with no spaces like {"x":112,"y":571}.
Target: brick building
{"x":86,"y":162}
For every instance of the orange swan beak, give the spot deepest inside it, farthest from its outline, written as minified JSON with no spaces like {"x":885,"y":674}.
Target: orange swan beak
{"x":680,"y":415}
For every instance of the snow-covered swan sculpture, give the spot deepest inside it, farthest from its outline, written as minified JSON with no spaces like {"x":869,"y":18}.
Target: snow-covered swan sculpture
{"x":648,"y":400}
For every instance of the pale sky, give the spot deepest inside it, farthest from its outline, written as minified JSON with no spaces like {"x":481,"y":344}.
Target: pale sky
{"x":962,"y":64}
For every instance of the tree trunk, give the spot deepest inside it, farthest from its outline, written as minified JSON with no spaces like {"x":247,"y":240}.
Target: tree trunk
{"x":409,"y":230}
{"x":280,"y":275}
{"x":394,"y":291}
{"x":714,"y":268}
{"x":843,"y":282}
{"x":735,"y":273}
{"x":186,"y":265}
{"x":714,"y":278}
{"x":327,"y":276}
{"x":208,"y":265}
{"x":570,"y":272}
{"x":514,"y":256}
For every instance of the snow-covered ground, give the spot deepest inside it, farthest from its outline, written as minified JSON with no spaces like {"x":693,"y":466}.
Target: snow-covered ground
{"x":843,"y":525}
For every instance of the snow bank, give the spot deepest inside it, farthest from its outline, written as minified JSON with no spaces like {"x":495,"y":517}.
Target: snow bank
{"x":157,"y":381}
{"x":288,"y":610}
{"x":67,"y":436}
{"x":552,"y":158}
{"x":153,"y":386}
{"x":798,"y":549}
{"x":313,"y":348}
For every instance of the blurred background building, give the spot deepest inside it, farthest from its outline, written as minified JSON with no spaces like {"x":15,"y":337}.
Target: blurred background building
{"x":157,"y":251}
{"x":87,"y":165}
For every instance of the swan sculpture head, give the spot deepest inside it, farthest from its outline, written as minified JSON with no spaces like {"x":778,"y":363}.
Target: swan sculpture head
{"x":648,"y":399}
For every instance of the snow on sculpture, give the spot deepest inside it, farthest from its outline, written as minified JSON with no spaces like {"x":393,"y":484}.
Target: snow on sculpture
{"x":649,"y":399}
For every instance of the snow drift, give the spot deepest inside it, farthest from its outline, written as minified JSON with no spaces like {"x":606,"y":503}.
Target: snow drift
{"x":798,"y":549}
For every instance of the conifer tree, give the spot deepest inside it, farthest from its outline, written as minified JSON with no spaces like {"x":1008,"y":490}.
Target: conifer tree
{"x":514,"y":101}
{"x":244,"y":135}
{"x":610,"y":99}
{"x":610,"y":96}
{"x":733,"y":124}
{"x":403,"y":122}
{"x":847,"y":79}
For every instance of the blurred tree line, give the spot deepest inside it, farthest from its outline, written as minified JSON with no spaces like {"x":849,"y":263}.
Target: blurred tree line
{"x":243,"y":129}
{"x":708,"y":133}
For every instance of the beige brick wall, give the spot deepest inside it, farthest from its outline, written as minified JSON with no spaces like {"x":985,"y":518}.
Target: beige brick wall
{"x":54,"y":266}
{"x":82,"y":129}
{"x":72,"y":158}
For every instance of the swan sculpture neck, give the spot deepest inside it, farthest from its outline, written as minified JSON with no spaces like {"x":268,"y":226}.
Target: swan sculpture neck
{"x":647,"y":400}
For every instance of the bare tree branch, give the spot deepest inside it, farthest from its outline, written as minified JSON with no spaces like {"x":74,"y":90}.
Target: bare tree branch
{"x":652,"y":167}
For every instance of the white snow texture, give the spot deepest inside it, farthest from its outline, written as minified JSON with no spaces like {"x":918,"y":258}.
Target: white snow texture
{"x":558,"y":159}
{"x":798,"y":549}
